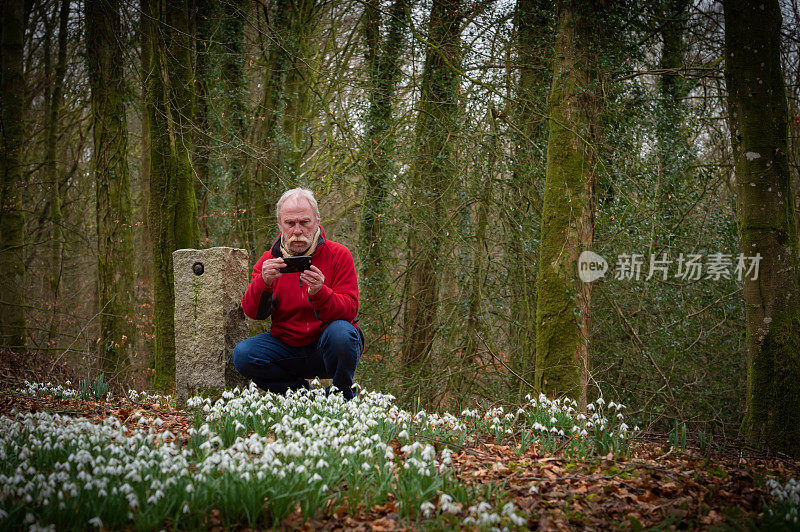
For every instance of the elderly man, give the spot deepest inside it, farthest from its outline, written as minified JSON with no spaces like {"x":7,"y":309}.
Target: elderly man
{"x":314,"y":329}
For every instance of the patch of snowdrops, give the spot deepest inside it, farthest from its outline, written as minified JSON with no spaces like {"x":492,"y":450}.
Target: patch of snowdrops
{"x":48,"y":389}
{"x":67,"y":391}
{"x":557,"y":425}
{"x":255,"y":457}
{"x":785,"y":503}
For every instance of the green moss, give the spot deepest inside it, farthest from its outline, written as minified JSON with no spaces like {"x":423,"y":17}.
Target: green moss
{"x":206,"y":392}
{"x":774,"y":396}
{"x":567,"y":216}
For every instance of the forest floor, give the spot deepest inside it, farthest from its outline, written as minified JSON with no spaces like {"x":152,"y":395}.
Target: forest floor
{"x":655,"y":485}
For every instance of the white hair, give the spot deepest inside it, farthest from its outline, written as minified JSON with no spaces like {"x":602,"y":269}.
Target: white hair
{"x":298,"y":192}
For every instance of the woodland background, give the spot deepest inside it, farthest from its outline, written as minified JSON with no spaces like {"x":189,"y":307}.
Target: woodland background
{"x":429,"y":131}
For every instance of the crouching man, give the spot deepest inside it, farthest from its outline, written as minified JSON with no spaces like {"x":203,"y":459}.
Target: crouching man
{"x":314,"y":331}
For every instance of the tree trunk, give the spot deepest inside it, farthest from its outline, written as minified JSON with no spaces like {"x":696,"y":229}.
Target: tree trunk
{"x":51,"y":173}
{"x":384,"y":73}
{"x":268,"y":163}
{"x":144,"y":258}
{"x":105,"y":57}
{"x":172,"y":210}
{"x":480,"y":245}
{"x":432,"y":176}
{"x":758,"y":122}
{"x":206,"y":23}
{"x":563,"y":302}
{"x":12,"y":221}
{"x":673,"y":144}
{"x":300,"y":81}
{"x":533,"y":20}
{"x":234,"y":123}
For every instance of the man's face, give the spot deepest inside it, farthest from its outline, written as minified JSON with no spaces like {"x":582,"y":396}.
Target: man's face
{"x":297,"y":224}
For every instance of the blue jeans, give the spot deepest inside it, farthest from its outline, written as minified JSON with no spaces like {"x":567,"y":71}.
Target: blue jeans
{"x":276,"y":366}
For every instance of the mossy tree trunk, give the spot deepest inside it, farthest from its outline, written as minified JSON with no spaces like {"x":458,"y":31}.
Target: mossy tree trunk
{"x":206,"y":23}
{"x":431,"y":179}
{"x":765,"y":206}
{"x":672,"y":134}
{"x":51,"y":165}
{"x":143,"y":263}
{"x":480,"y":248}
{"x":12,"y":221}
{"x":268,"y":167}
{"x":301,"y":80}
{"x":172,"y":210}
{"x":220,"y":127}
{"x":563,"y":302}
{"x":533,"y":21}
{"x":105,"y":57}
{"x":234,"y":123}
{"x":383,"y":63}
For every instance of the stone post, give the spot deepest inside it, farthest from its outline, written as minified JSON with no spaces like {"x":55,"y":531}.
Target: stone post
{"x":209,"y":320}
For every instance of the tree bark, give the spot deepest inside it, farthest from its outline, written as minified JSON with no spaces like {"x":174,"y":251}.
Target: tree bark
{"x":533,"y":20}
{"x":51,"y":170}
{"x":172,"y":210}
{"x":234,"y":126}
{"x":483,"y":193}
{"x":673,"y":144}
{"x":12,"y":221}
{"x":105,"y":58}
{"x":206,"y":23}
{"x":563,"y":302}
{"x":383,"y":62}
{"x":432,"y":176}
{"x":268,"y":164}
{"x":765,"y":206}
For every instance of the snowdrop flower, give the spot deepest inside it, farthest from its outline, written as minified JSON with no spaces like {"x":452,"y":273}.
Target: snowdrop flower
{"x":427,"y":508}
{"x":96,"y":522}
{"x":447,"y":505}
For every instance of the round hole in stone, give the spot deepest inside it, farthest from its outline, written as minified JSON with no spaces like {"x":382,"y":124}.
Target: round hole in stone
{"x":198,"y":268}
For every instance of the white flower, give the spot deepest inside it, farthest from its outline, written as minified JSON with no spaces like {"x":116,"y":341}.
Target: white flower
{"x":427,"y":508}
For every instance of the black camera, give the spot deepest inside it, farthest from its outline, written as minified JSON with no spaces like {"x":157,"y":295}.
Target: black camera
{"x":296,"y":264}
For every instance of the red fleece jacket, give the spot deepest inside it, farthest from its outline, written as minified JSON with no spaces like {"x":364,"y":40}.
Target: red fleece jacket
{"x":297,"y":318}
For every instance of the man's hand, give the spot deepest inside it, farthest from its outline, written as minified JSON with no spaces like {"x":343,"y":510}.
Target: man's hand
{"x":271,"y":270}
{"x":313,"y":278}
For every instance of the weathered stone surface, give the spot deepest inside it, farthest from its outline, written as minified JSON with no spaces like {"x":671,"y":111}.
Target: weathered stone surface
{"x":209,"y":321}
